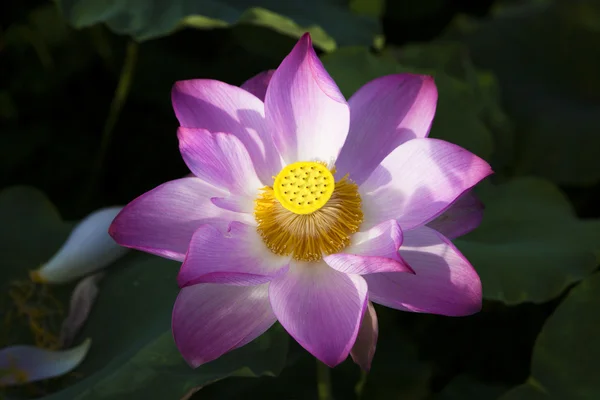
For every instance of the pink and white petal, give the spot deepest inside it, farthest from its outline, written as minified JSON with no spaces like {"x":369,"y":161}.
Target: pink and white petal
{"x":366,"y":342}
{"x":375,"y":250}
{"x":464,"y":215}
{"x":385,"y":113}
{"x":163,"y":220}
{"x":236,"y":203}
{"x":24,"y":364}
{"x":219,"y":159}
{"x":210,"y":320}
{"x":219,"y":107}
{"x":236,"y":257}
{"x":444,"y":282}
{"x":257,"y":85}
{"x":418,"y":181}
{"x":306,"y":112}
{"x":361,"y":265}
{"x":382,"y":240}
{"x":320,"y":308}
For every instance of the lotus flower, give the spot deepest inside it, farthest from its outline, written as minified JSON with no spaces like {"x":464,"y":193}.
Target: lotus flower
{"x":303,"y":208}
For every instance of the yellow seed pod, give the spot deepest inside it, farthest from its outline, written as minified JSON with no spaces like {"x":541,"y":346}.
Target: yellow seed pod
{"x":304,"y":187}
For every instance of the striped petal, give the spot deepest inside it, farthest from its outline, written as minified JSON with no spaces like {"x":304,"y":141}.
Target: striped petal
{"x":236,"y":257}
{"x":375,"y":250}
{"x":219,"y":107}
{"x":306,"y":112}
{"x":418,"y":181}
{"x":210,"y":320}
{"x":163,"y":220}
{"x":444,"y":281}
{"x":320,"y":308}
{"x":385,"y":113}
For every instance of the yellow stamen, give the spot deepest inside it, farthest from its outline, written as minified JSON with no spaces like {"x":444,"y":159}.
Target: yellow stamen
{"x":17,"y":374}
{"x":320,"y":225}
{"x":35,"y":306}
{"x":304,"y":187}
{"x":36,"y":277}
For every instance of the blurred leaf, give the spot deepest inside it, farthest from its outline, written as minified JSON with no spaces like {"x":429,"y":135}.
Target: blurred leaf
{"x":374,"y":8}
{"x":49,"y":24}
{"x":43,"y":29}
{"x":417,"y":20}
{"x":158,"y":371}
{"x":150,"y":19}
{"x":297,"y":381}
{"x":352,"y":67}
{"x":527,"y":391}
{"x":397,"y":372}
{"x":466,"y":387}
{"x":545,"y":62}
{"x":480,"y":90}
{"x":133,"y":353}
{"x":265,"y":18}
{"x":530,"y":245}
{"x":137,"y":357}
{"x":584,"y":13}
{"x":30,"y":233}
{"x":8,"y":109}
{"x":457,"y":117}
{"x":18,"y":147}
{"x":43,"y":54}
{"x":566,"y":356}
{"x":410,"y":10}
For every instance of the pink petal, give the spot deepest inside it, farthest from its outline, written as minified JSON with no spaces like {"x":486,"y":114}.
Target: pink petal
{"x":366,"y":342}
{"x":163,"y":220}
{"x":258,"y":84}
{"x":219,"y":107}
{"x":321,"y":308}
{"x":418,"y":181}
{"x":464,"y":215}
{"x":306,"y":111}
{"x":240,"y":204}
{"x":219,"y":159}
{"x":385,"y":113}
{"x":444,"y":281}
{"x":375,"y":250}
{"x":238,"y":257}
{"x":210,"y":320}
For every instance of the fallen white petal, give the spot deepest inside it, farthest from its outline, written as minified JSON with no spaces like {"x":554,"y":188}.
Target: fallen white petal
{"x":24,"y":364}
{"x":88,"y":249}
{"x":82,"y":300}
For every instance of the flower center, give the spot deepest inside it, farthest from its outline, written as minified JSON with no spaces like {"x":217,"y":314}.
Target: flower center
{"x":304,"y":187}
{"x":306,"y":214}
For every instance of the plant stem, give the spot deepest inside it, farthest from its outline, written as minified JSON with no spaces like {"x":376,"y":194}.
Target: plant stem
{"x":116,"y":105}
{"x":324,"y":382}
{"x":118,"y":101}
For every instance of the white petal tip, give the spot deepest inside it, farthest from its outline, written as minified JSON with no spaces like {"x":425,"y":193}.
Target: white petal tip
{"x":89,"y":248}
{"x":25,"y":364}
